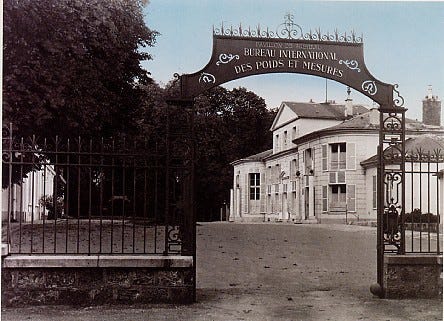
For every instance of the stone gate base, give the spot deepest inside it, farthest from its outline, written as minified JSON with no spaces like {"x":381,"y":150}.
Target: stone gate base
{"x":89,"y":280}
{"x":413,"y":276}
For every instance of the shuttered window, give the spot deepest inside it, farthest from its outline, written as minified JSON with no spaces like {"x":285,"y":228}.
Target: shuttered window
{"x":338,"y":156}
{"x":262,"y":194}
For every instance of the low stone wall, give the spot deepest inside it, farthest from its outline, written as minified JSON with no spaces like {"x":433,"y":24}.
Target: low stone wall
{"x":413,"y":276}
{"x":424,"y":227}
{"x":90,"y":280}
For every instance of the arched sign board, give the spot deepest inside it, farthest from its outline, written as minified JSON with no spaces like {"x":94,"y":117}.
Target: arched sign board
{"x":235,"y":57}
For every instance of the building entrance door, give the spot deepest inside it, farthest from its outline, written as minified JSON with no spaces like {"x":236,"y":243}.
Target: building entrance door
{"x":307,"y":202}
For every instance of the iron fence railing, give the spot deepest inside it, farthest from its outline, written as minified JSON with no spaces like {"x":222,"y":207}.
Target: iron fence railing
{"x":93,"y":196}
{"x":424,"y":201}
{"x":416,"y":226}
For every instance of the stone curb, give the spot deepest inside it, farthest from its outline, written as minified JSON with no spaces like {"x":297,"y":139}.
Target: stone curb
{"x":85,"y":261}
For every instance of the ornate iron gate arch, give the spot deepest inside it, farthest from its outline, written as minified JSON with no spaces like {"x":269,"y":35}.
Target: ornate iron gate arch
{"x":240,"y":52}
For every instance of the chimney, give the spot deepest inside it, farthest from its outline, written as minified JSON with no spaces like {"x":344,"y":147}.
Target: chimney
{"x":374,"y":117}
{"x":348,"y":104}
{"x":431,"y":109}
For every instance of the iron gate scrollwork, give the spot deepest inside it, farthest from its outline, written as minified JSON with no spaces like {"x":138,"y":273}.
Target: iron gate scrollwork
{"x":392,"y":159}
{"x":180,"y":237}
{"x":391,"y":178}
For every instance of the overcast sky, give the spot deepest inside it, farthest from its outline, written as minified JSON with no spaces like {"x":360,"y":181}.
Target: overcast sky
{"x":403,"y":43}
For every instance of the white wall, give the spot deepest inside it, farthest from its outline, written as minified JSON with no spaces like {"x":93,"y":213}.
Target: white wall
{"x":24,"y":198}
{"x":370,"y":211}
{"x":366,"y":146}
{"x":303,"y":126}
{"x":287,"y":119}
{"x":422,"y":190}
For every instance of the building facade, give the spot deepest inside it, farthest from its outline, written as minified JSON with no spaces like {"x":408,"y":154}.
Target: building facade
{"x":321,"y":167}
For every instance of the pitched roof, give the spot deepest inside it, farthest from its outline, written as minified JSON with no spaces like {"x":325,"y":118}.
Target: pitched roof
{"x":322,"y":110}
{"x":415,"y":146}
{"x":254,"y":158}
{"x":369,"y":122}
{"x":424,"y":144}
{"x":365,"y":121}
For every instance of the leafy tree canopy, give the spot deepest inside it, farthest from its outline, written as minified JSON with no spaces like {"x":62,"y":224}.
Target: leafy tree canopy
{"x":72,"y":67}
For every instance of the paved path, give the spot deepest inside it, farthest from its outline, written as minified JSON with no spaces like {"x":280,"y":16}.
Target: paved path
{"x":271,"y":272}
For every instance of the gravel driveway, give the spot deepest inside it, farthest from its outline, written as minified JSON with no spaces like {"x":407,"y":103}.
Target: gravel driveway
{"x":270,"y":272}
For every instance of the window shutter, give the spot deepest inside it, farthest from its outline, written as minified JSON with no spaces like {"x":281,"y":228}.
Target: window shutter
{"x":279,"y":202}
{"x":292,"y":169}
{"x":262,"y":193}
{"x":297,"y":162}
{"x":351,"y":156}
{"x":351,"y":198}
{"x":341,"y":177}
{"x":246,"y":193}
{"x":324,"y":157}
{"x":303,"y":163}
{"x":374,"y":190}
{"x":324,"y":198}
{"x":313,"y":158}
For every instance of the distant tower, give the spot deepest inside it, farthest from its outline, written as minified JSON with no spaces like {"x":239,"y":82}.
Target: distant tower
{"x":348,"y":104}
{"x":431,"y":109}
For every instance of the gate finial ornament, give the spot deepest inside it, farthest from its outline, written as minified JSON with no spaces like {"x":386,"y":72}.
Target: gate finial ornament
{"x":288,"y":29}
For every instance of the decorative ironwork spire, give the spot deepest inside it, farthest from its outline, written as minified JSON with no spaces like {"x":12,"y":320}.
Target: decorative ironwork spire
{"x":287,"y":30}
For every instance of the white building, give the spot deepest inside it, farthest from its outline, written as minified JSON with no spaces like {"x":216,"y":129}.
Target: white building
{"x":321,"y":167}
{"x":23,"y":200}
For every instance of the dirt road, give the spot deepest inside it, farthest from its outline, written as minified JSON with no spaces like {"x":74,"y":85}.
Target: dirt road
{"x":270,"y":272}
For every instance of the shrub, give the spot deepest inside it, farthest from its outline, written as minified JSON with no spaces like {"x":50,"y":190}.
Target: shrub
{"x":416,"y":216}
{"x":47,"y":201}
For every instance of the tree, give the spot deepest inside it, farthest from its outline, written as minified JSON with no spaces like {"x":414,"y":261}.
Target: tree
{"x":229,"y":125}
{"x":72,"y":67}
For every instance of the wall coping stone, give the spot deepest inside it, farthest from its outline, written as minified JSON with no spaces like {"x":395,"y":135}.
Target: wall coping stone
{"x":414,"y":259}
{"x":85,"y":261}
